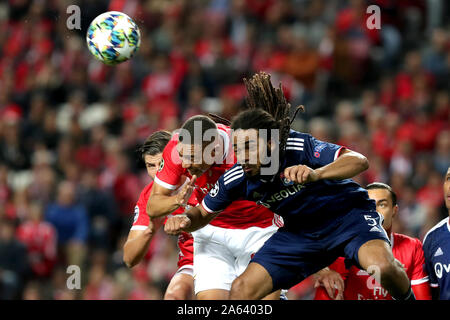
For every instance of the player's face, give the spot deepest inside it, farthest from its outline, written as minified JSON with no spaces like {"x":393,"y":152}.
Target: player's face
{"x":152,"y":164}
{"x":447,"y":189}
{"x":248,"y":147}
{"x":384,"y":205}
{"x":192,"y":159}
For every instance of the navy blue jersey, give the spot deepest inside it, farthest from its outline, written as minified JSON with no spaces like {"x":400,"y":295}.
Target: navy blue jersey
{"x":436,"y":247}
{"x":310,"y":206}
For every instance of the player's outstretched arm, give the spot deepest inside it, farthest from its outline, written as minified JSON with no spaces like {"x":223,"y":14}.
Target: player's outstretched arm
{"x":347,"y":165}
{"x":161,"y":201}
{"x":137,"y":244}
{"x":192,"y":220}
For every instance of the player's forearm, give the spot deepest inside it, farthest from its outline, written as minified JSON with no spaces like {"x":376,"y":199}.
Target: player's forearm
{"x":198,"y":219}
{"x":161,"y":205}
{"x":346,"y":166}
{"x":135,"y":249}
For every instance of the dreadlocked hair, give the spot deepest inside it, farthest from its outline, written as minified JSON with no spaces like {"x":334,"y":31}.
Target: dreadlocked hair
{"x":263,"y":101}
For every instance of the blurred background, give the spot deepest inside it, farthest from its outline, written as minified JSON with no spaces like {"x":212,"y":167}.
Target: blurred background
{"x":69,"y":125}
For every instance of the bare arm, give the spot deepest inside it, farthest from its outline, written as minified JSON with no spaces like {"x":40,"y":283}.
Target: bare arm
{"x":137,"y":244}
{"x":192,"y":220}
{"x":347,"y":165}
{"x":161,"y":201}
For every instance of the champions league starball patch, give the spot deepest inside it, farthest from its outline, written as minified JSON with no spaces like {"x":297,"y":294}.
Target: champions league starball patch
{"x":136,"y":214}
{"x":161,"y":165}
{"x":214,"y":191}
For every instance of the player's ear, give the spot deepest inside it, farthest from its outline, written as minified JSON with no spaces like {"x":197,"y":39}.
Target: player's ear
{"x":395,"y":211}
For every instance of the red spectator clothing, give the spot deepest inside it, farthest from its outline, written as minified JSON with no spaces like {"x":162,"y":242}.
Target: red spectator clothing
{"x":360,"y":286}
{"x":430,"y":195}
{"x":100,"y":291}
{"x":404,"y":84}
{"x":383,"y":145}
{"x":41,"y":241}
{"x":266,"y":61}
{"x":204,"y":49}
{"x":125,"y":188}
{"x":348,"y":20}
{"x":164,"y":85}
{"x":5,"y":193}
{"x":142,"y":220}
{"x":240,"y":214}
{"x":423,"y":135}
{"x":165,"y":110}
{"x":90,"y":156}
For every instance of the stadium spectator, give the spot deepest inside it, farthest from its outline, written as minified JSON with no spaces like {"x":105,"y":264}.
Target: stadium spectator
{"x":40,"y":239}
{"x":70,"y":219}
{"x":14,"y":266}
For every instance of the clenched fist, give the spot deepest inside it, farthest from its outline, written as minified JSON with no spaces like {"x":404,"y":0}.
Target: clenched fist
{"x":177,"y":224}
{"x":301,"y":174}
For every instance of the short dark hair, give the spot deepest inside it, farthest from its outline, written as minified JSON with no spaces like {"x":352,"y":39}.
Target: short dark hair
{"x":190,"y":125}
{"x":155,"y":143}
{"x":380,"y":185}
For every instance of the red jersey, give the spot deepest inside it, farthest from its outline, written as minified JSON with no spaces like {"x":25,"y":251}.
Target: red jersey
{"x":360,"y":286}
{"x":41,"y":241}
{"x":142,"y":220}
{"x":240,"y":214}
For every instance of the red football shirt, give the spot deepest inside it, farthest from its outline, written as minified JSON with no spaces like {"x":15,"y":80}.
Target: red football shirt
{"x":240,"y":214}
{"x":360,"y":286}
{"x":142,"y":220}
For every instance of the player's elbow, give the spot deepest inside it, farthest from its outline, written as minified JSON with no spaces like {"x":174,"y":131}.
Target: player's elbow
{"x":364,"y":163}
{"x":360,"y":162}
{"x":129,"y":261}
{"x":131,"y":257}
{"x":152,"y":213}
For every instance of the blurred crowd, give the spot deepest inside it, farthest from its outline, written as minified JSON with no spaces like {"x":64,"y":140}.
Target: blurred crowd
{"x":70,"y":126}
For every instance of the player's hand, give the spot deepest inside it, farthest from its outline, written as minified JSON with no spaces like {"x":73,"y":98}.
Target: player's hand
{"x":301,"y":174}
{"x":176,"y":224}
{"x":332,"y":281}
{"x":185,"y":193}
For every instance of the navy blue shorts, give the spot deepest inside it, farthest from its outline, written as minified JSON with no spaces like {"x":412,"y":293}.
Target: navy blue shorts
{"x":290,"y":257}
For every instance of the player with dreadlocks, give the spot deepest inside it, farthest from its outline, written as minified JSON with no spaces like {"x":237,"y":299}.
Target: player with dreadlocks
{"x":326,"y":214}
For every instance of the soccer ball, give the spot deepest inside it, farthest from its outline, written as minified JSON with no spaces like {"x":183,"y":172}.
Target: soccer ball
{"x":113,"y":37}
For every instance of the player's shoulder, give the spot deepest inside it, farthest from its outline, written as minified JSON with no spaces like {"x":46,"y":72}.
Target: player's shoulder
{"x":437,"y":230}
{"x":296,"y":141}
{"x":406,"y":241}
{"x":145,"y":193}
{"x":234,"y":176}
{"x":295,"y":135}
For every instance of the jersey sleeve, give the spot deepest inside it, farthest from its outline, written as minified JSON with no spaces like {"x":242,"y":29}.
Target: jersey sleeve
{"x":225,"y":191}
{"x":170,"y":171}
{"x":428,"y":263}
{"x":318,"y":153}
{"x":418,"y":275}
{"x":141,"y":220}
